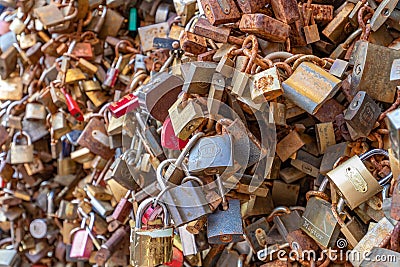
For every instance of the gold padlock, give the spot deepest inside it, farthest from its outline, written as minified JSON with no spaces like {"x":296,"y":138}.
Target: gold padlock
{"x":354,"y":182}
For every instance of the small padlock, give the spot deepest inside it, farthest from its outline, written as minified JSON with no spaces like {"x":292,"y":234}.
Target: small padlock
{"x":353,"y":180}
{"x":318,"y":221}
{"x":362,"y":114}
{"x":154,"y":246}
{"x":220,"y":12}
{"x":21,"y":153}
{"x":82,"y":243}
{"x":186,"y":202}
{"x":302,"y":90}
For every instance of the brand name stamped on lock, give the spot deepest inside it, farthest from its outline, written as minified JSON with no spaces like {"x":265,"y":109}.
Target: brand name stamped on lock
{"x":356,"y":179}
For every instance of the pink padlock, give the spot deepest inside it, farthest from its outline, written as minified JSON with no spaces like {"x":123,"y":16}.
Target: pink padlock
{"x":169,"y":139}
{"x":82,"y":244}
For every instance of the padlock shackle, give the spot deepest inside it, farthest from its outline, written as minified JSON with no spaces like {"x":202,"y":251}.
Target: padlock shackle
{"x":143,"y":207}
{"x":187,"y":148}
{"x":22,"y":133}
{"x":373,"y":152}
{"x":277,"y":212}
{"x":192,"y":178}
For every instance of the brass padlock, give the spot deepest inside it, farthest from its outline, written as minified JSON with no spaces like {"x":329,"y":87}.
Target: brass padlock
{"x":310,"y":86}
{"x":318,"y":220}
{"x":353,"y":180}
{"x":21,"y":153}
{"x":154,"y":246}
{"x":186,"y":120}
{"x":338,"y":29}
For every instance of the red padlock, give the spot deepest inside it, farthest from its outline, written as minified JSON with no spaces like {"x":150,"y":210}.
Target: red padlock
{"x":169,"y":139}
{"x":73,"y":107}
{"x":82,"y":244}
{"x":124,"y":105}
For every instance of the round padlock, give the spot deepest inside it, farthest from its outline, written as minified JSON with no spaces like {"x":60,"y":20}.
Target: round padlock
{"x":38,"y":228}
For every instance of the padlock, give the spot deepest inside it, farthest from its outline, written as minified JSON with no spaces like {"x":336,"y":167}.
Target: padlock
{"x":218,"y":34}
{"x":311,"y":32}
{"x":35,"y":167}
{"x":383,"y":11}
{"x":185,"y":120}
{"x":265,"y":85}
{"x":153,"y":139}
{"x":305,"y":76}
{"x":122,"y":175}
{"x":362,"y":114}
{"x":123,"y":209}
{"x":154,"y":246}
{"x":9,"y":257}
{"x":211,"y":155}
{"x":225,"y":226}
{"x":27,"y":41}
{"x":193,"y":43}
{"x":325,"y":136}
{"x":74,"y":75}
{"x":113,"y":71}
{"x":256,"y":234}
{"x":95,"y":138}
{"x":50,"y":15}
{"x":375,"y":236}
{"x":340,"y":27}
{"x":111,"y":245}
{"x":353,"y":180}
{"x":157,"y":96}
{"x":220,"y":12}
{"x":21,"y":153}
{"x":72,"y":105}
{"x":148,"y":33}
{"x":8,"y":62}
{"x":185,"y":202}
{"x":198,"y":77}
{"x":35,"y":111}
{"x":379,"y":87}
{"x":318,"y":220}
{"x":169,"y":139}
{"x":82,"y":243}
{"x":285,"y":11}
{"x":102,"y":208}
{"x":18,"y":26}
{"x":289,"y":145}
{"x":264,"y":27}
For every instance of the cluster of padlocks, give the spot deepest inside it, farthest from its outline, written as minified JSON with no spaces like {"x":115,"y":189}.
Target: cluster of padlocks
{"x":199,"y":133}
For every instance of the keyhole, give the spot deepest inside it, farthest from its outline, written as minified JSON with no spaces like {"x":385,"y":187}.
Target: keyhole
{"x":385,"y":12}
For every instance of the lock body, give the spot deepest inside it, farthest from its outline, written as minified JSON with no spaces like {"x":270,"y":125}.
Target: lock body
{"x":354,"y":182}
{"x":370,"y":61}
{"x":310,"y":86}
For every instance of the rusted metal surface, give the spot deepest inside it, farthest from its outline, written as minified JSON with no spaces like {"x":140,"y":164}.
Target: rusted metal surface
{"x":265,"y":27}
{"x":220,"y":11}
